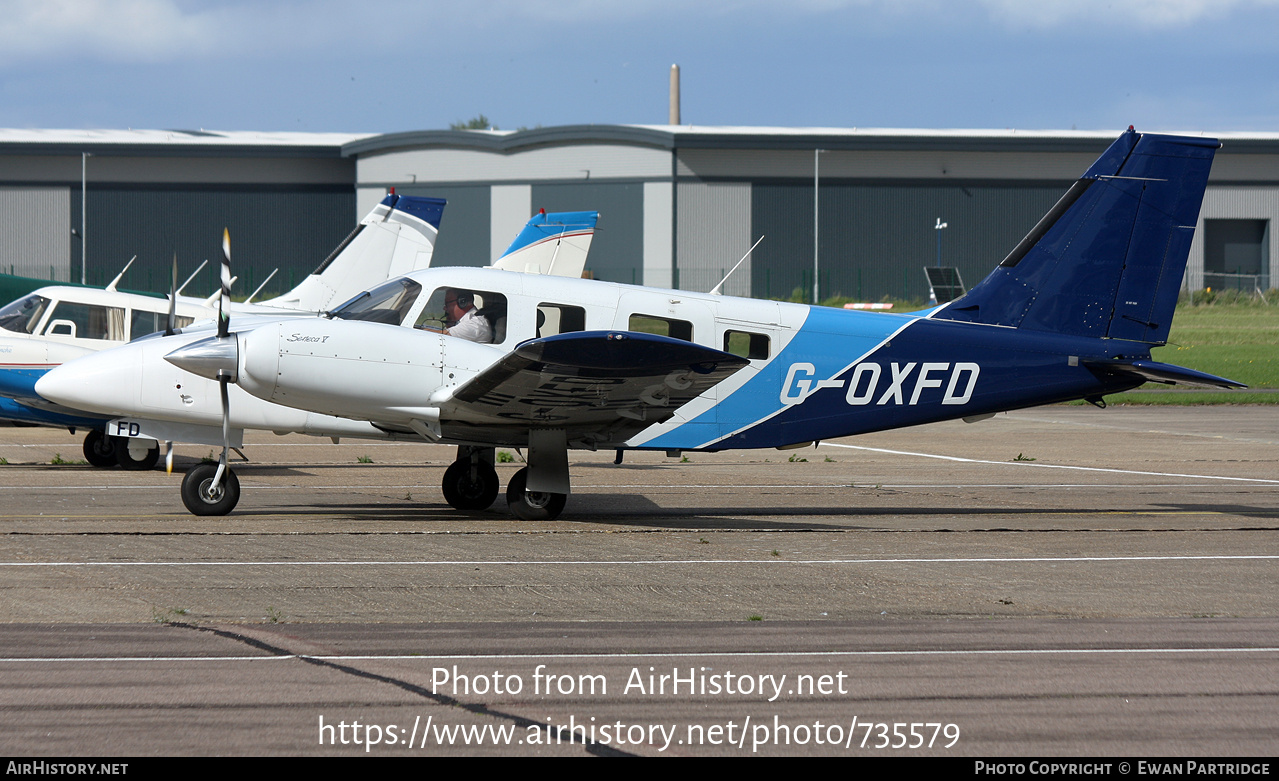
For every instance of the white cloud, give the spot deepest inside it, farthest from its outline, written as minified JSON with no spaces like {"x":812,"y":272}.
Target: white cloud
{"x":1141,"y":13}
{"x":173,"y":30}
{"x":128,"y":30}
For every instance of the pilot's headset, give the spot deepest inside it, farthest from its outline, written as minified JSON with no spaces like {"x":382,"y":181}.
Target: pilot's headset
{"x":465,"y":300}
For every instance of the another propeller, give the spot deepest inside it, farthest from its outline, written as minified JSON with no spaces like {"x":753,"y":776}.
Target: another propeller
{"x":216,"y":358}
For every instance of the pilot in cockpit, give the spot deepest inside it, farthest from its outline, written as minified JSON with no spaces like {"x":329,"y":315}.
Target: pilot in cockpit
{"x":462,"y":318}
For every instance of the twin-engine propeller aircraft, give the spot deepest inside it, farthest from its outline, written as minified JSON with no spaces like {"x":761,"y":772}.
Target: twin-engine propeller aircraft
{"x":165,"y":404}
{"x":1071,"y":313}
{"x":58,"y":323}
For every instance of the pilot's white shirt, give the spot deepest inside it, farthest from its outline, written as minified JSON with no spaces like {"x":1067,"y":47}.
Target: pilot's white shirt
{"x":473,"y":328}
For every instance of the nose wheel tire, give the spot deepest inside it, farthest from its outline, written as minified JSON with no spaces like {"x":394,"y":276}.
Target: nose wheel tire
{"x":127,"y":461}
{"x":533,"y":505}
{"x":99,"y":449}
{"x":464,"y":491}
{"x":201,"y":498}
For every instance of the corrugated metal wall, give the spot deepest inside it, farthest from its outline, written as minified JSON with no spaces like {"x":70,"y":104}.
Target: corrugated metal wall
{"x":1235,"y":202}
{"x":36,"y":240}
{"x":290,"y":229}
{"x":617,"y":250}
{"x":713,"y":231}
{"x":875,"y":239}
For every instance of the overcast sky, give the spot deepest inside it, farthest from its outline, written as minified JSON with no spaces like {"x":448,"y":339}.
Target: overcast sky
{"x":396,"y":65}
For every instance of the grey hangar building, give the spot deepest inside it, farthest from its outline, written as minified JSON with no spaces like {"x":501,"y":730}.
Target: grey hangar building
{"x":679,"y":205}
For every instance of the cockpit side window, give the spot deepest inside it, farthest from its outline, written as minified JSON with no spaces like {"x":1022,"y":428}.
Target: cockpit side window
{"x":555,"y":319}
{"x":662,"y":326}
{"x":23,"y":315}
{"x":387,"y":303}
{"x":474,"y":315}
{"x":86,"y":321}
{"x":143,"y":322}
{"x":748,"y":345}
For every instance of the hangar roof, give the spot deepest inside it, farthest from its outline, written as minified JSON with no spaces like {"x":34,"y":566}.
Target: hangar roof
{"x":201,"y":142}
{"x":164,"y":143}
{"x":708,"y":137}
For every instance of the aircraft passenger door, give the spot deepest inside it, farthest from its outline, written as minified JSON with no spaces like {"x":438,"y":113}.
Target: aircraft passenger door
{"x":667,"y":313}
{"x":749,"y":329}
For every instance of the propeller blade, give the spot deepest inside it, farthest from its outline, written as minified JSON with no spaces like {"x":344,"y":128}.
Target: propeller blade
{"x":173,"y":299}
{"x":224,"y":320}
{"x":168,"y":457}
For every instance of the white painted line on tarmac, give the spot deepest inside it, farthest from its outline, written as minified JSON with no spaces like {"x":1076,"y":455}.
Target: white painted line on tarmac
{"x":654,"y":655}
{"x":1046,"y":466}
{"x":652,"y":487}
{"x":639,"y":562}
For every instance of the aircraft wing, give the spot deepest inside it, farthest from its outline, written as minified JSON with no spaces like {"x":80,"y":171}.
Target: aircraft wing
{"x":599,"y":385}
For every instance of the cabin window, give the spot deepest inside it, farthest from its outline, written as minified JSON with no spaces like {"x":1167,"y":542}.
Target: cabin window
{"x":143,"y":322}
{"x":662,"y":326}
{"x":746,"y":344}
{"x":475,"y":315}
{"x":387,"y":303}
{"x":84,"y":321}
{"x":24,"y":314}
{"x":555,"y":319}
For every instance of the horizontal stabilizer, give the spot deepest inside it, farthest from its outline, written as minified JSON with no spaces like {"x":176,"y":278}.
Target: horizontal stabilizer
{"x":1154,"y":371}
{"x":608,"y":384}
{"x":555,"y":244}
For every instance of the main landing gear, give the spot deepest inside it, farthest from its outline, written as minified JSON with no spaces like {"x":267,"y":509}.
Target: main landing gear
{"x":132,"y":454}
{"x":137,"y":455}
{"x":99,"y":449}
{"x":533,"y":505}
{"x":471,"y":483}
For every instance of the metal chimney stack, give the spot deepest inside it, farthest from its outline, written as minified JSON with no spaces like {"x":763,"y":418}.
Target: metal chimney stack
{"x":674,"y":95}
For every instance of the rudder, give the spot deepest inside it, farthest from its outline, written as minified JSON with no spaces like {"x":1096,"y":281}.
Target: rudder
{"x":1107,"y":260}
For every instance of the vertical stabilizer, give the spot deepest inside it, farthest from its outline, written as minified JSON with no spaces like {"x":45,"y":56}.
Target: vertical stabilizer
{"x":1107,"y":260}
{"x":397,"y":237}
{"x":555,"y":244}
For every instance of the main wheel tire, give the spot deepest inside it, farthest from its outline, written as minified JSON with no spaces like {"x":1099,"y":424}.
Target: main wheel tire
{"x":99,"y":449}
{"x":464,"y":493}
{"x":197,"y":497}
{"x":533,"y":505}
{"x":127,"y":461}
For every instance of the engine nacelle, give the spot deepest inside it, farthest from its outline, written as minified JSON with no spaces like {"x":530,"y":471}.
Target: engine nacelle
{"x":369,"y":371}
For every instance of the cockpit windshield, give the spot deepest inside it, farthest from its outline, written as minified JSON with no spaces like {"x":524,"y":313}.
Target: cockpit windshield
{"x":386,"y":303}
{"x":24,"y":314}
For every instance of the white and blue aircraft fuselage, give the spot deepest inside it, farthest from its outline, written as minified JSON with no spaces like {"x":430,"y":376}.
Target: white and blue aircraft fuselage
{"x":1071,"y":313}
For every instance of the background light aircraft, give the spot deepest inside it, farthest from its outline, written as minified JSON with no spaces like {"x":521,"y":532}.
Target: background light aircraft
{"x":57,"y":323}
{"x":164,"y":403}
{"x":1071,"y":313}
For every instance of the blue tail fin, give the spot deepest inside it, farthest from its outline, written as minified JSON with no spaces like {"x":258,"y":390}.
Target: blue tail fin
{"x":556,"y":244}
{"x":1108,"y":258}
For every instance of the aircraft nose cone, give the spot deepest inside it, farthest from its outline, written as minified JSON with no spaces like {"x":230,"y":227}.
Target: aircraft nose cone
{"x":100,"y":382}
{"x":208,"y":357}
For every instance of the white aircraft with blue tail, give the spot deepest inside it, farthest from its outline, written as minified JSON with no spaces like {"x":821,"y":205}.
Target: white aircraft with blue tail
{"x":1071,"y":313}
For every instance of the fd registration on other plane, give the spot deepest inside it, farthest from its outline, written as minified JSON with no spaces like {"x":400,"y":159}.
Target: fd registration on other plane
{"x":1071,"y":313}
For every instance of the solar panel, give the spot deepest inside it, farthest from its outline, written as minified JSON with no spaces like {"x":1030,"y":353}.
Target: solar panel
{"x":944,"y":282}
